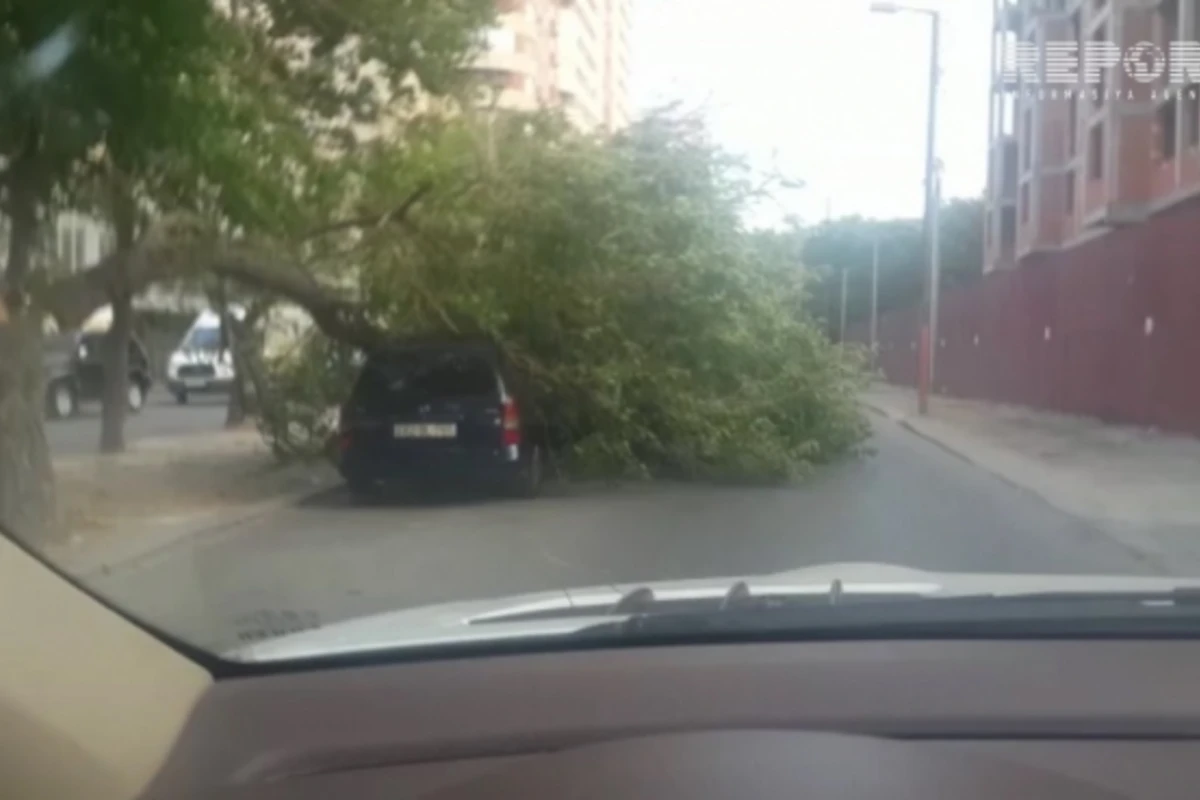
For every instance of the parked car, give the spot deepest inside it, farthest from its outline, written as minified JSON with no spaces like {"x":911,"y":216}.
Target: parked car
{"x":73,"y":367}
{"x":442,"y":413}
{"x":200,"y":364}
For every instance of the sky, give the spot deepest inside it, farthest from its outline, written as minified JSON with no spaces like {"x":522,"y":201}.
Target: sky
{"x":825,"y":90}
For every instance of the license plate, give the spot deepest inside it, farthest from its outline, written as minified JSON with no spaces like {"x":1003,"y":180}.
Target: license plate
{"x":426,"y":431}
{"x":193,"y":383}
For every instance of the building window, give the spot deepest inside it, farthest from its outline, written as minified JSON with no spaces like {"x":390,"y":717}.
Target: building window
{"x":1101,"y":35}
{"x":1072,"y":127}
{"x":1191,"y":115}
{"x":1027,"y":140}
{"x":1167,"y":17}
{"x":1069,"y":192}
{"x":1165,"y":119}
{"x":1096,"y":152}
{"x":1008,"y":114}
{"x":1024,"y":203}
{"x":1008,"y":228}
{"x":1008,"y":169}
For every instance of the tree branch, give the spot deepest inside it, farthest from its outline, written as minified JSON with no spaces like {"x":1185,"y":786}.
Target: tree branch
{"x":397,"y":214}
{"x":336,"y":316}
{"x":183,"y":246}
{"x":176,"y":246}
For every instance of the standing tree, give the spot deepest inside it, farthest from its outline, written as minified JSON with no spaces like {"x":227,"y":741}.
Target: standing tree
{"x":70,"y":77}
{"x":238,"y":118}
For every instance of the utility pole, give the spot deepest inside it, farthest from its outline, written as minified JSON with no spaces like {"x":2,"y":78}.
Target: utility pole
{"x":925,"y":341}
{"x":935,"y":270}
{"x":875,"y":298}
{"x":931,"y":200}
{"x":842,"y":325}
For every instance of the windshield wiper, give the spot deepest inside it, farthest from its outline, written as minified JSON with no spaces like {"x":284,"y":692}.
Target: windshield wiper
{"x":843,"y":615}
{"x":644,"y":600}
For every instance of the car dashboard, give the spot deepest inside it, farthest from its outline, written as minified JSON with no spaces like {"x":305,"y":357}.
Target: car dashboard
{"x":883,"y":719}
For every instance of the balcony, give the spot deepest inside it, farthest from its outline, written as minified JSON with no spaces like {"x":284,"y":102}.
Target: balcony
{"x":510,"y":61}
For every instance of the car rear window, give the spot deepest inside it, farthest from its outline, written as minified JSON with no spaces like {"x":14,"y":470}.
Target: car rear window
{"x":92,"y":348}
{"x":401,"y":380}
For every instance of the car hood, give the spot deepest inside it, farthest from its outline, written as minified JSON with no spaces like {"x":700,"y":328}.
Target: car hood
{"x":535,"y":615}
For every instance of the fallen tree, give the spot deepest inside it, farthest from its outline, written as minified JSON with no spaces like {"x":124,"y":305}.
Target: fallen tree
{"x":658,"y":336}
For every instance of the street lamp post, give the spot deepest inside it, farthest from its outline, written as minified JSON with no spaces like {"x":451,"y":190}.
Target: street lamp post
{"x":875,"y":299}
{"x":929,"y":325}
{"x":842,"y":316}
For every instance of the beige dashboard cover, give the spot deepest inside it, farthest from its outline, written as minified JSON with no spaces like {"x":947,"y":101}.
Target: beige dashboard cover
{"x":89,"y":704}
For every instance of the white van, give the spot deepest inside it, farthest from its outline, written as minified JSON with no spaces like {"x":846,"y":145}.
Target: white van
{"x":199,"y":364}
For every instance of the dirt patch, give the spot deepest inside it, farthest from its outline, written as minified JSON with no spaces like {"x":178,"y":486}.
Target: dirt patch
{"x":170,"y":477}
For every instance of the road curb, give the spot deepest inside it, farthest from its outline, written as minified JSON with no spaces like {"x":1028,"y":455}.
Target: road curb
{"x":960,"y":453}
{"x":1110,"y":528}
{"x":155,"y":541}
{"x":883,"y":409}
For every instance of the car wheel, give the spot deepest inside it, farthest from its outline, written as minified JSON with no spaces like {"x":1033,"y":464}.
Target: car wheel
{"x":529,"y":481}
{"x":61,"y":401}
{"x":137,"y":396}
{"x":181,"y":397}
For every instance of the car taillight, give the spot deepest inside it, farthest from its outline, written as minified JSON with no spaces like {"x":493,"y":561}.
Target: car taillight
{"x":512,"y":423}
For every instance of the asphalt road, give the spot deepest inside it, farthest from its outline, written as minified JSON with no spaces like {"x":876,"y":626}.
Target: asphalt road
{"x":909,"y":503}
{"x":161,"y":416}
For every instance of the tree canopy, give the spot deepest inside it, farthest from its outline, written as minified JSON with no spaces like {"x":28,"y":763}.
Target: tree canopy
{"x":282,"y":145}
{"x":848,"y":243}
{"x":659,"y":336}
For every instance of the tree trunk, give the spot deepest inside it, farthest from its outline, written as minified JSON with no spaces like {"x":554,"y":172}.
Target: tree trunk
{"x":22,"y":213}
{"x":27,"y":500}
{"x":235,"y":409}
{"x":115,"y":398}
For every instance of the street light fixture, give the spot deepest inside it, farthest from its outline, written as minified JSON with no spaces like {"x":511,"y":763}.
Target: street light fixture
{"x":929,"y":327}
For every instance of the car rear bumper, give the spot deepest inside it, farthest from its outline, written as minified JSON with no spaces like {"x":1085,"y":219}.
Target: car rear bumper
{"x":452,"y":466}
{"x":199,"y":385}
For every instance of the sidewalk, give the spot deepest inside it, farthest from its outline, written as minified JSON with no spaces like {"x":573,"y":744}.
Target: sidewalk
{"x":1142,"y":487}
{"x":166,"y":489}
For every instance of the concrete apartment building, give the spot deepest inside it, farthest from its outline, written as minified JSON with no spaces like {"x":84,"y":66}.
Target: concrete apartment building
{"x":1064,"y":170}
{"x":569,"y":54}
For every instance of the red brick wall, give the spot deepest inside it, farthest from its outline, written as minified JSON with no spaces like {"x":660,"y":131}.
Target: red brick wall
{"x":1095,"y":300}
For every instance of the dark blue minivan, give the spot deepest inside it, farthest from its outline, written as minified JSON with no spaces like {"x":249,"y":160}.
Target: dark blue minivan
{"x":440,"y":414}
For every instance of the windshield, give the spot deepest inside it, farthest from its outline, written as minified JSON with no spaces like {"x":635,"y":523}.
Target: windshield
{"x":594,"y":316}
{"x":203,"y":339}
